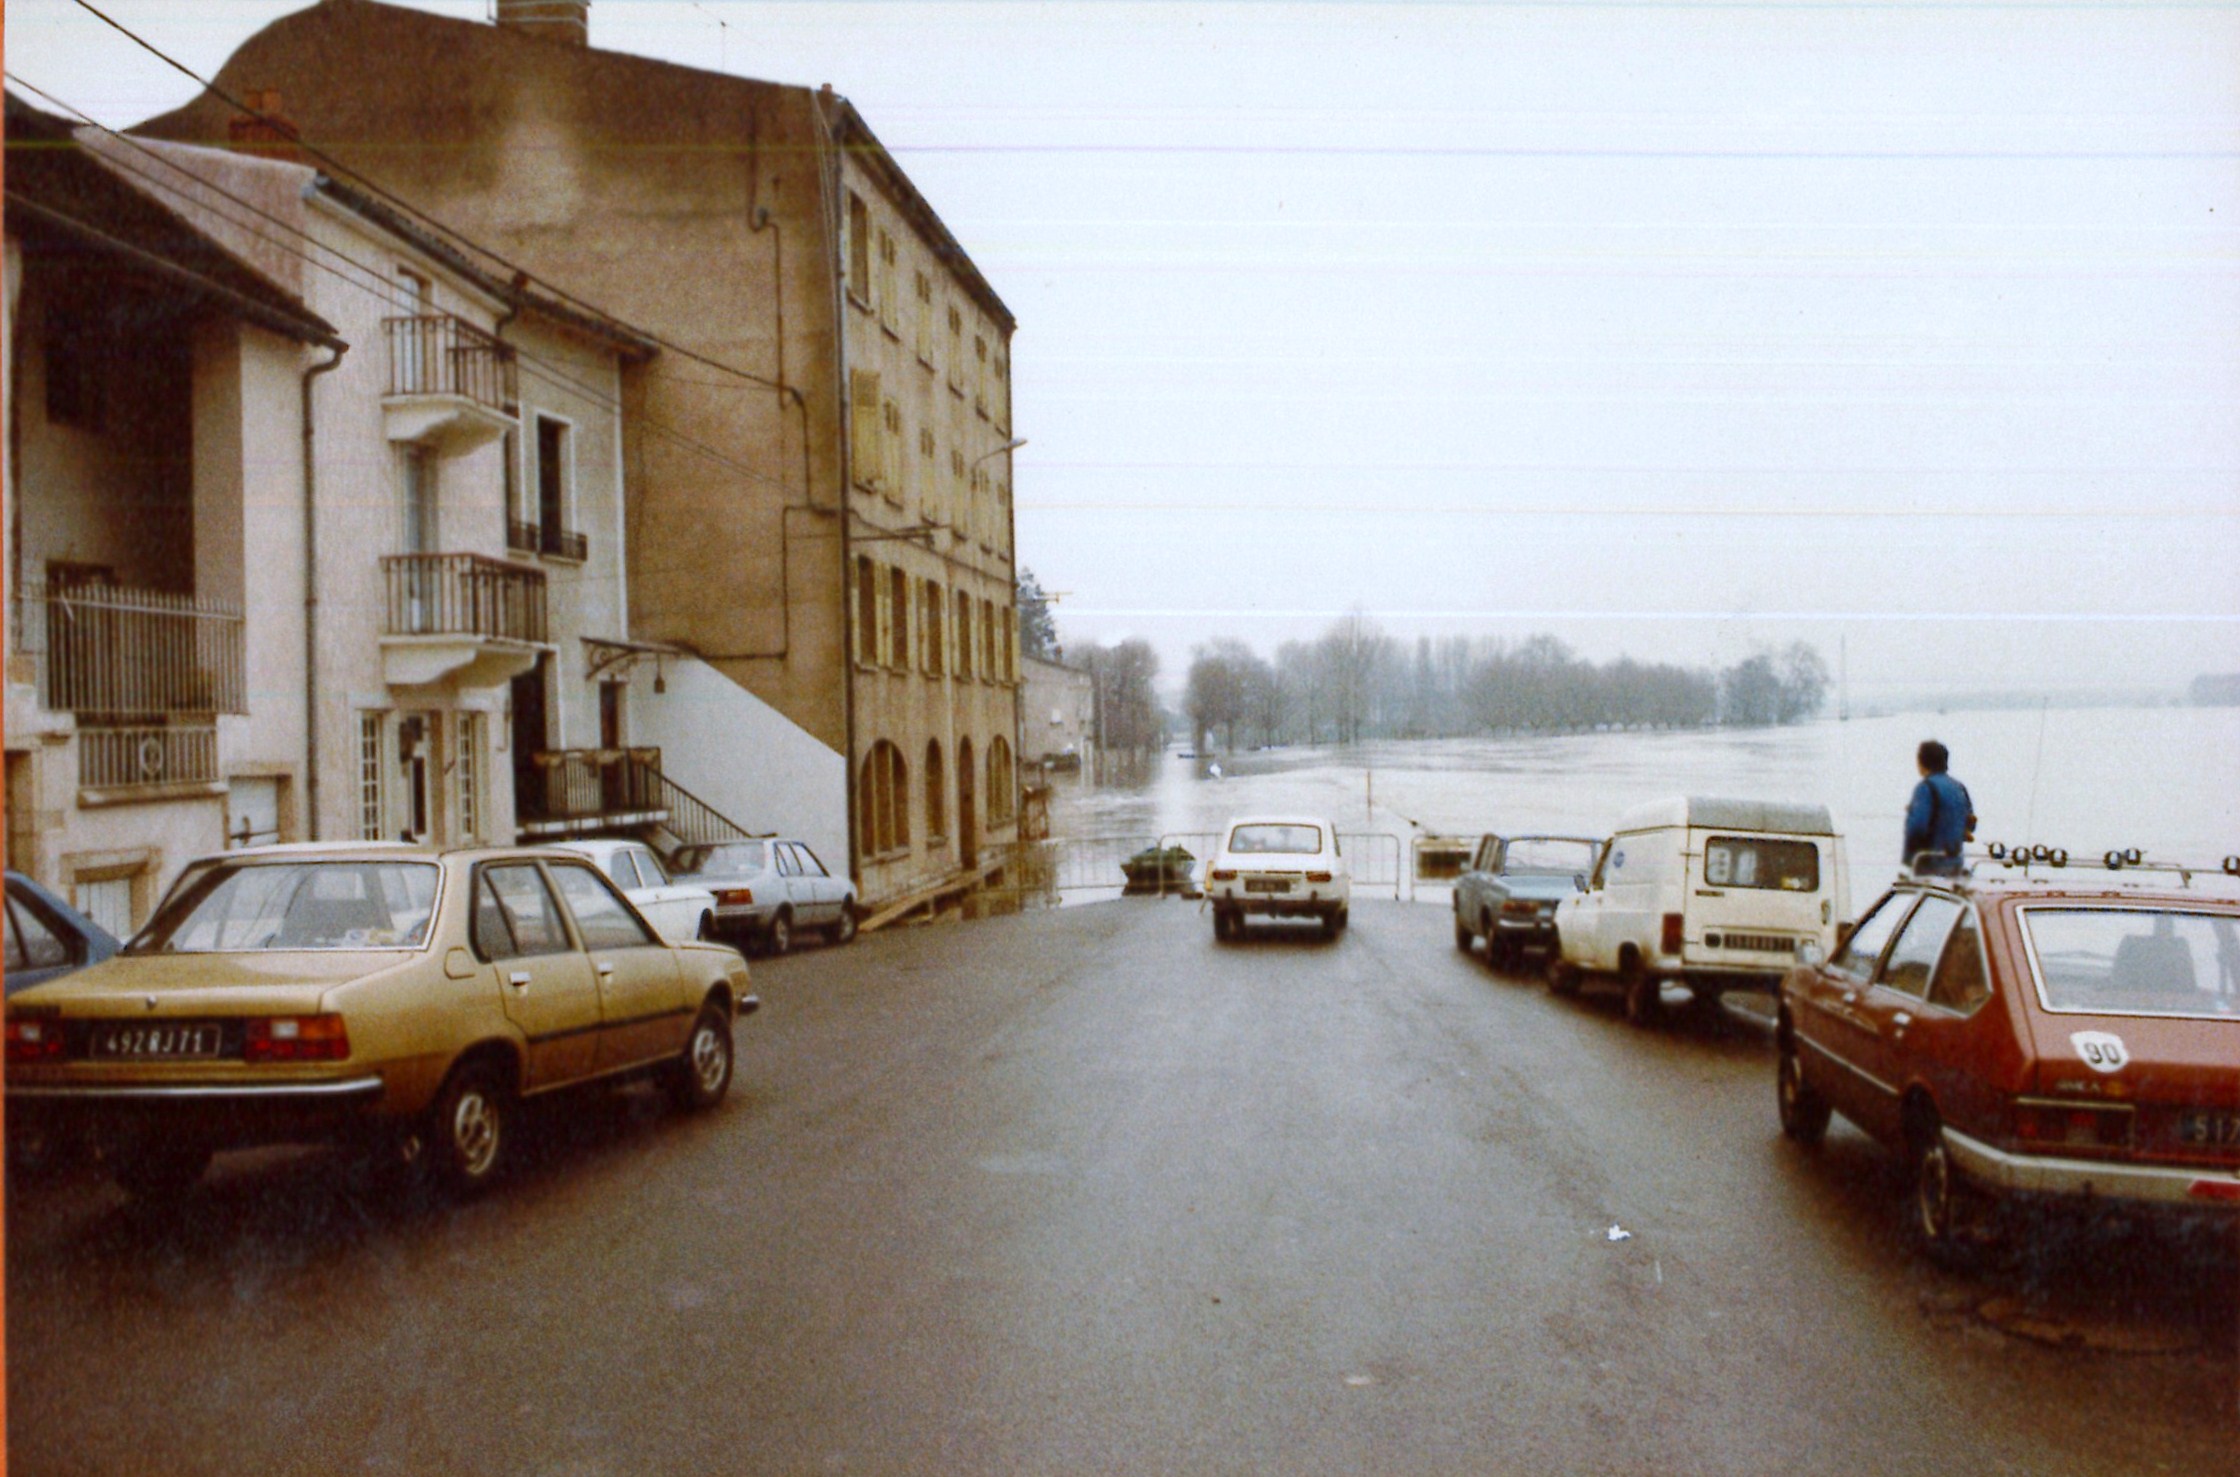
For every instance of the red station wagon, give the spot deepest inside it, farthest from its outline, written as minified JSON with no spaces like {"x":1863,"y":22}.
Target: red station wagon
{"x":2073,"y":1037}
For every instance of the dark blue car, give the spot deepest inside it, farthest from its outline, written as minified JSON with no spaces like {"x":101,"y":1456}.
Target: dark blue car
{"x":46,"y":937}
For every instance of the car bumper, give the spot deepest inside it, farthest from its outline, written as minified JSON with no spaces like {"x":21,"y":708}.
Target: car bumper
{"x":2177,"y":1187}
{"x":1279,"y":905}
{"x":744,"y":917}
{"x":1521,"y":930}
{"x":233,"y":1114}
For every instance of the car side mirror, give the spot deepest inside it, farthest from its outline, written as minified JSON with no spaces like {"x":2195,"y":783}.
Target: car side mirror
{"x":458,"y":965}
{"x":1579,"y":881}
{"x":1810,"y":954}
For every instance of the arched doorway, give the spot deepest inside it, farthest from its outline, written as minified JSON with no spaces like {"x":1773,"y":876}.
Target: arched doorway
{"x":968,"y":818}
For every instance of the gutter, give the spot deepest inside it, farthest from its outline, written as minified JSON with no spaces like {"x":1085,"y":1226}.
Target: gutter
{"x":311,"y":596}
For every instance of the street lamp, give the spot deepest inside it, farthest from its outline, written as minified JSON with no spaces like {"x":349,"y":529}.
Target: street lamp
{"x":1011,"y":445}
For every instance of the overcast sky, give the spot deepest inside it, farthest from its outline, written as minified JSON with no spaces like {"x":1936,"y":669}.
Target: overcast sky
{"x":1671,"y":329}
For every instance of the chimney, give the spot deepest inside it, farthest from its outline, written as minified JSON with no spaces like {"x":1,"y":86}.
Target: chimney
{"x":556,"y":20}
{"x":263,"y":130}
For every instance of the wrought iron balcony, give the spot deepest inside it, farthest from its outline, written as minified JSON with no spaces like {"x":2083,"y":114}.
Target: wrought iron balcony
{"x":476,"y":620}
{"x":111,"y":760}
{"x":570,"y":791}
{"x":450,"y":382}
{"x":115,"y":650}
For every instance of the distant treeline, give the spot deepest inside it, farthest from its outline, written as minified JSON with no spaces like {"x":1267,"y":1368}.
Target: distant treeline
{"x":1356,"y":682}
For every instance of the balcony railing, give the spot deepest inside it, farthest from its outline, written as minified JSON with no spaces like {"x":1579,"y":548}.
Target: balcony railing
{"x":110,"y":649}
{"x":127,"y":758}
{"x":437,"y":354}
{"x":579,"y":789}
{"x":463,"y":595}
{"x":540,"y":538}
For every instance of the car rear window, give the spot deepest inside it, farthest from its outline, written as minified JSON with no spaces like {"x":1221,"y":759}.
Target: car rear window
{"x":1290,"y":840}
{"x":2136,"y":961}
{"x":732,"y":859}
{"x":1757,"y":861}
{"x":1549,"y":854}
{"x":296,"y":905}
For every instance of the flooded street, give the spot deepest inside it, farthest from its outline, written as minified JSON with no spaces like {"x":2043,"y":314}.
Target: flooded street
{"x":2087,"y":779}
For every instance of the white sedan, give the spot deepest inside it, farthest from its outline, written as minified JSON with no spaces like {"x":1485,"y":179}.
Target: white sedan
{"x":678,"y":911}
{"x":1278,"y":866}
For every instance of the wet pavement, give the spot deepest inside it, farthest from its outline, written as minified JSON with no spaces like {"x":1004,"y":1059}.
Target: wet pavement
{"x":1082,"y":1191}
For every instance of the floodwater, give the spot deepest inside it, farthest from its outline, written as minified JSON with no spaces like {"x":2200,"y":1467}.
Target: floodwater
{"x":2086,"y":779}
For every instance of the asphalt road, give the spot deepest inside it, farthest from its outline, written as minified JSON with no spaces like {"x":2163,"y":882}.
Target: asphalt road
{"x":1086,"y":1192}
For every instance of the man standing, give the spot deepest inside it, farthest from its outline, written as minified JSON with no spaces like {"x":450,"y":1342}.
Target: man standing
{"x":1940,"y":817}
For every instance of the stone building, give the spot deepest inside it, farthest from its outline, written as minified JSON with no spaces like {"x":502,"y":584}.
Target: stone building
{"x":819,"y":457}
{"x":1058,"y":721}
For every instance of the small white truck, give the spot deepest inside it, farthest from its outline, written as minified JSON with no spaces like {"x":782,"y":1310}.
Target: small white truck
{"x":1706,"y":892}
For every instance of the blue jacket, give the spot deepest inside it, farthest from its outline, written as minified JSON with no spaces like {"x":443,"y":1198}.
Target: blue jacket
{"x":1938,"y":818}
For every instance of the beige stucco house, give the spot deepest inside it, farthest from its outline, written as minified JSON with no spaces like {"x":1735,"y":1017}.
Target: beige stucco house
{"x":818,"y":458}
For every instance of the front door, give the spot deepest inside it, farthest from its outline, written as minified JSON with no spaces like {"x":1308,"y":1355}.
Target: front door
{"x":529,"y":740}
{"x":614,"y":772}
{"x":968,"y":818}
{"x":642,"y":1010}
{"x":1838,"y":1029}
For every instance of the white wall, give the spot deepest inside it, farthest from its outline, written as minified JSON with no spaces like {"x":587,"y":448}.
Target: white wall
{"x":743,"y":756}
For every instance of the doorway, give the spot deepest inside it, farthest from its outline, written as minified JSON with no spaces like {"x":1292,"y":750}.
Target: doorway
{"x":614,"y":766}
{"x":968,"y":820}
{"x":529,"y":737}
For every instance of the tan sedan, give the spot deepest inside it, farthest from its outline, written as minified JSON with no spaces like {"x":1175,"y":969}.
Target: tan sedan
{"x":404,"y":999}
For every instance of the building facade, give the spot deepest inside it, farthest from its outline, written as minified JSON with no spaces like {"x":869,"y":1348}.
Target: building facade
{"x":820,"y":456}
{"x":1058,"y":724}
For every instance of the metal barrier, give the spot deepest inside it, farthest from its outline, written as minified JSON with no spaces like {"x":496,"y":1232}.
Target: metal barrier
{"x":1374,"y":859}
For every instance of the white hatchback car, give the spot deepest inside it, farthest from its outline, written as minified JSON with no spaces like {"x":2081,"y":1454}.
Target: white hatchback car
{"x":1278,"y":866}
{"x":679,"y":912}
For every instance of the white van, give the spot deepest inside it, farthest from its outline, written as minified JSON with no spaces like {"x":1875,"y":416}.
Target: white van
{"x":1704,"y":892}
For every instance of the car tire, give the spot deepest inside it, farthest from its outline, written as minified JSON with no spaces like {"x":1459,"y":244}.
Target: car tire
{"x":469,"y":1136}
{"x":1332,"y":921}
{"x":1563,"y":975}
{"x":1804,"y":1113}
{"x":157,"y":1174}
{"x":1644,"y":996}
{"x":1228,"y":924}
{"x":1941,"y":1207}
{"x":699,"y":1079}
{"x":778,"y":937}
{"x":1464,"y":938}
{"x":844,"y":931}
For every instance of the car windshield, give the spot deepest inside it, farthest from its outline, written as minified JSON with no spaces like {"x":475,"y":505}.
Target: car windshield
{"x":1559,"y":854}
{"x":241,"y":907}
{"x":731,"y":859}
{"x":1291,"y":840}
{"x":2137,"y":961}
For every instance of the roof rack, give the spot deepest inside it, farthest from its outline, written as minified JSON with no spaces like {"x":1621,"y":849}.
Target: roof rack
{"x":2037,"y":860}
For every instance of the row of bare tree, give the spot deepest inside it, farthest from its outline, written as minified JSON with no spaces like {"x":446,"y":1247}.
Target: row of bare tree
{"x":1356,"y":682}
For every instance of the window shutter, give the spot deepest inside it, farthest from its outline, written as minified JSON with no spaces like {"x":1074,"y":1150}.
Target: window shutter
{"x":863,"y":422}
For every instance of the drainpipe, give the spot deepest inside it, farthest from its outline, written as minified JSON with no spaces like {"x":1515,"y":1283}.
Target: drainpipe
{"x":828,"y":169}
{"x":311,"y":599}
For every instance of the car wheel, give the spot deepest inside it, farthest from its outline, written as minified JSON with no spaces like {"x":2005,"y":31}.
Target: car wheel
{"x":698,"y":1080}
{"x":1332,"y":921}
{"x":1563,"y":975}
{"x":844,"y":931}
{"x":1226,"y":924}
{"x":779,"y":937}
{"x":1939,"y":1195}
{"x":158,"y":1173}
{"x":470,"y":1130}
{"x":1464,"y":938}
{"x":1644,"y":996}
{"x":1804,"y":1113}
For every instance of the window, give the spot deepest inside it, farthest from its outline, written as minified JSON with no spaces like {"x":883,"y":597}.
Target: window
{"x":602,"y":917}
{"x":622,"y":867}
{"x":1007,"y":646}
{"x":471,"y":727}
{"x":964,"y":634}
{"x":956,"y":351}
{"x":1960,"y":982}
{"x":2133,"y":961}
{"x":373,"y":806}
{"x":650,"y":871}
{"x":1276,"y":840}
{"x":241,"y":906}
{"x":898,"y":652}
{"x":937,"y":797}
{"x":33,"y":942}
{"x":999,"y":780}
{"x":891,"y":462}
{"x":1919,"y":945}
{"x":1860,"y":951}
{"x":859,"y":249}
{"x":988,"y":668}
{"x":107,"y":901}
{"x":924,"y":325}
{"x":866,"y":441}
{"x":514,"y":914}
{"x":1758,"y":862}
{"x":807,"y":859}
{"x":867,"y":612}
{"x":555,"y":483}
{"x":930,"y":629}
{"x":882,"y":799}
{"x":980,"y":375}
{"x":889,"y":305}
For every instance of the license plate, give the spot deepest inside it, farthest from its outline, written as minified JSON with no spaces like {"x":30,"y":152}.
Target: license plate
{"x":172,"y":1042}
{"x":1266,"y":884}
{"x":2209,"y":1129}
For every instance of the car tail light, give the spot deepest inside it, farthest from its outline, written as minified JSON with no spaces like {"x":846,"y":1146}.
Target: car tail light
{"x":1673,"y":936}
{"x":2214,"y":1190}
{"x":1225,"y":875}
{"x":2069,"y":1126}
{"x":1518,"y":907}
{"x":736,"y":897}
{"x":1318,"y":876}
{"x":295,"y":1038}
{"x":34,"y":1038}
